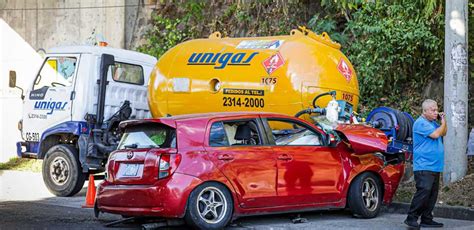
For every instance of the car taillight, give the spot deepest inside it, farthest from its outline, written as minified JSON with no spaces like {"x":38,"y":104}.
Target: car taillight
{"x":109,"y":166}
{"x":165,"y":167}
{"x":168,"y":163}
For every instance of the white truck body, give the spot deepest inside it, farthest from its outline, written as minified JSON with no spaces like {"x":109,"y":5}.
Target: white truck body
{"x":60,"y":106}
{"x":41,"y":113}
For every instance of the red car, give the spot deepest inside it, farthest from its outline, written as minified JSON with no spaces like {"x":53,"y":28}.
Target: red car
{"x":212,"y":168}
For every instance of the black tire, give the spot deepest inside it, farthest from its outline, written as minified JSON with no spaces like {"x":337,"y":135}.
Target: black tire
{"x":409,"y":127}
{"x":361,"y":201}
{"x":216,"y":216}
{"x":402,"y":121}
{"x":62,"y":172}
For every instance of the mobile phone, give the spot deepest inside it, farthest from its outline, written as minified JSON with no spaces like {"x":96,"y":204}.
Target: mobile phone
{"x":439,"y":116}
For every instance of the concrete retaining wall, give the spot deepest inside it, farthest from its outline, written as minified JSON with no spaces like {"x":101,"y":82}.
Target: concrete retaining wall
{"x":38,"y":25}
{"x":48,"y":23}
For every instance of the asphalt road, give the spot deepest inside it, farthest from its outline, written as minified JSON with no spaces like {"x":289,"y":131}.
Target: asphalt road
{"x":25,"y":203}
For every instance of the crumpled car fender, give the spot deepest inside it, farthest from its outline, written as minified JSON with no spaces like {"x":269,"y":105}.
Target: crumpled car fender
{"x":362,"y":138}
{"x":390,"y":174}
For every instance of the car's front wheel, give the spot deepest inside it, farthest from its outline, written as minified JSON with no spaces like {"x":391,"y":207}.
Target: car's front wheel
{"x":365,"y":196}
{"x":209,"y":206}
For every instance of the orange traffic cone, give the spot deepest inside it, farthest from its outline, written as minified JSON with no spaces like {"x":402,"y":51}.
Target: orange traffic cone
{"x":90,"y":196}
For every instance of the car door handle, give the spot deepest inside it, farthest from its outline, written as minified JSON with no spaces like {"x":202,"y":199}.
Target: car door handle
{"x":284,"y":157}
{"x":225,"y":157}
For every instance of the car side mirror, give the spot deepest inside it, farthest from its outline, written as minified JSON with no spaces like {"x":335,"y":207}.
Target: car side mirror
{"x":12,"y":80}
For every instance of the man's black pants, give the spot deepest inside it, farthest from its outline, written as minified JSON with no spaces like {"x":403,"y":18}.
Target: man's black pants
{"x":424,"y":200}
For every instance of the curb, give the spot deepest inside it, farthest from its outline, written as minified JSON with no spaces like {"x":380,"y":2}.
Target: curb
{"x":442,"y":211}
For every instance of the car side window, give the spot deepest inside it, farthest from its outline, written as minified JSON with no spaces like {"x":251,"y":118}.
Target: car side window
{"x":235,"y":133}
{"x":218,"y":136}
{"x":286,"y":132}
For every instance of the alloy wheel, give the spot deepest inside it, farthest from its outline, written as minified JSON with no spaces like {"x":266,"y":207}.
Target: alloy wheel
{"x":370,"y":194}
{"x":211,"y":205}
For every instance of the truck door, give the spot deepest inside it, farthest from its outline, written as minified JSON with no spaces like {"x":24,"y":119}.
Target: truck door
{"x":48,"y":102}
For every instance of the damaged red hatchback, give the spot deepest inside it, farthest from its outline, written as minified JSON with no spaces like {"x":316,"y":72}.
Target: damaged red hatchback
{"x":212,"y":168}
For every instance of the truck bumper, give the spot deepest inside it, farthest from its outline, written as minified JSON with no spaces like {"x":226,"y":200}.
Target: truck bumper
{"x":26,"y":149}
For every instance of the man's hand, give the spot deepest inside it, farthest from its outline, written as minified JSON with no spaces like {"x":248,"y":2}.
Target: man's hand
{"x":442,"y":130}
{"x":442,"y":116}
{"x":443,"y":124}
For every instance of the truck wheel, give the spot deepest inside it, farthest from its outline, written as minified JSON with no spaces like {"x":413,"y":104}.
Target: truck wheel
{"x":365,"y":196}
{"x":209,"y":207}
{"x":62,"y":174}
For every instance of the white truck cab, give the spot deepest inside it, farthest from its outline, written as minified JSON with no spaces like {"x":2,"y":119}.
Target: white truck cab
{"x":72,"y":109}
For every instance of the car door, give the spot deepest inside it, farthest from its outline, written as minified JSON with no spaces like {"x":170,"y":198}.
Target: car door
{"x":309,"y":171}
{"x":244,"y":160}
{"x":49,"y":101}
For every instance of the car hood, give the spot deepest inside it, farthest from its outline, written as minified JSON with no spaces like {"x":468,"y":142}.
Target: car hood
{"x":362,"y":138}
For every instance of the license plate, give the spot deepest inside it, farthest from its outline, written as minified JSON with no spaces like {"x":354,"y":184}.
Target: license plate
{"x":130,"y":170}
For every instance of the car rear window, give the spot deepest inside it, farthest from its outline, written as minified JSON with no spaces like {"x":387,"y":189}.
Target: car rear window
{"x":148,"y":136}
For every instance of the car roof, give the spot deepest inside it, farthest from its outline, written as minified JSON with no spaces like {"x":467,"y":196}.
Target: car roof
{"x":171,"y":121}
{"x":218,"y":115}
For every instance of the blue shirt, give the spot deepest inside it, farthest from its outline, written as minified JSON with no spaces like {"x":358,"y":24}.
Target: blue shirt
{"x":428,"y":153}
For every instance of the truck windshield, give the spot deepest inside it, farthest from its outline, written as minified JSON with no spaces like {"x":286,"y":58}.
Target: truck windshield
{"x":148,"y":136}
{"x":56,"y":72}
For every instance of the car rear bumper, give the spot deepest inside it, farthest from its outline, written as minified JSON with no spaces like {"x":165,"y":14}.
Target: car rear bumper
{"x":165,"y":198}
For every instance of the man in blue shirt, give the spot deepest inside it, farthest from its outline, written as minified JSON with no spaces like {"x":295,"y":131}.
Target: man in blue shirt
{"x":428,"y":163}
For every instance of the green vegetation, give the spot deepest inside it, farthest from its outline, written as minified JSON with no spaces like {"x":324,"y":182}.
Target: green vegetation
{"x":168,"y":36}
{"x":395,"y":53}
{"x":396,"y":47}
{"x":175,"y":23}
{"x":22,"y":164}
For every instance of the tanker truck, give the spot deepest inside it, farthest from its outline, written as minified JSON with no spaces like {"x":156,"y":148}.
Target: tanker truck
{"x":288,"y":74}
{"x":80,"y":94}
{"x":280,"y":74}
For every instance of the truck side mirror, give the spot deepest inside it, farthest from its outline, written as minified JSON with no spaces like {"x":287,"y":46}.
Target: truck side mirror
{"x":12,"y":81}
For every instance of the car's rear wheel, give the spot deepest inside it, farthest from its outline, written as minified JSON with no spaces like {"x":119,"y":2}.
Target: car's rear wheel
{"x":209,"y":206}
{"x":365,"y":196}
{"x":62,"y":174}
